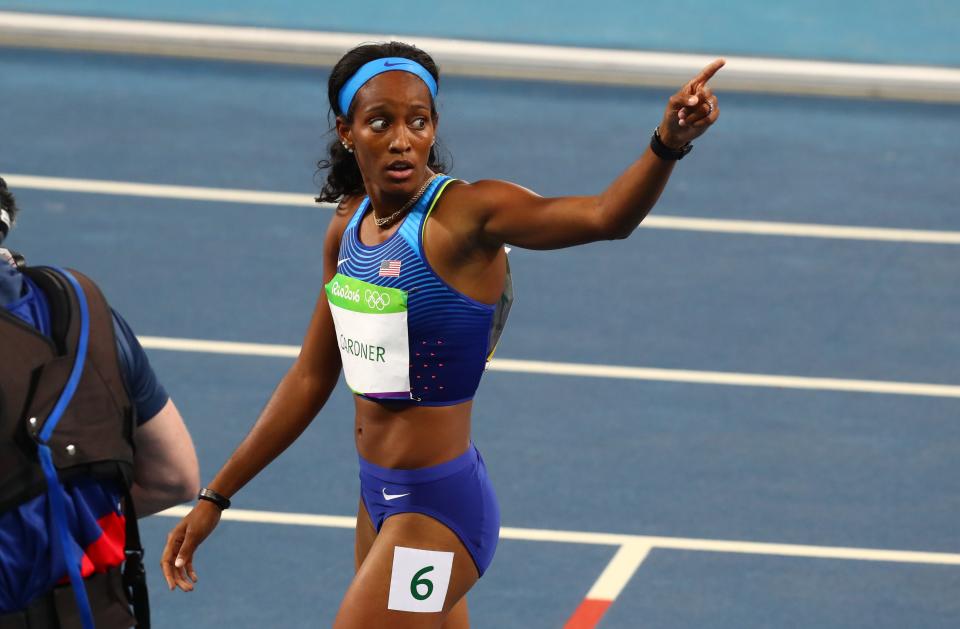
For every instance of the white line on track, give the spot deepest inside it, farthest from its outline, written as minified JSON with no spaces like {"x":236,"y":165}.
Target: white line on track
{"x":259,"y":197}
{"x":619,"y":571}
{"x":599,"y":371}
{"x":219,"y":347}
{"x":807,"y":230}
{"x":636,"y":542}
{"x":159,"y":191}
{"x":479,"y":58}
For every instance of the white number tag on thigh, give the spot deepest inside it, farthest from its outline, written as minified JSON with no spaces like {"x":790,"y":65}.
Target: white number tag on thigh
{"x":420,"y":579}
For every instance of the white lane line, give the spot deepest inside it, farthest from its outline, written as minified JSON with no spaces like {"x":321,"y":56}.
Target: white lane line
{"x":159,"y":191}
{"x":599,"y":371}
{"x":807,"y":230}
{"x":274,"y":517}
{"x":258,"y":197}
{"x":479,"y":58}
{"x":219,"y":347}
{"x":724,"y":378}
{"x":618,"y":572}
{"x":623,"y":559}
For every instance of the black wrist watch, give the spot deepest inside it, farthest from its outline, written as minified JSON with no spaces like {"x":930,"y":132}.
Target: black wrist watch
{"x":218,"y":499}
{"x":663,"y":151}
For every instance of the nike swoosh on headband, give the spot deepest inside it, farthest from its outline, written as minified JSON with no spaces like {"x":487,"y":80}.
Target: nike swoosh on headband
{"x":385,"y":64}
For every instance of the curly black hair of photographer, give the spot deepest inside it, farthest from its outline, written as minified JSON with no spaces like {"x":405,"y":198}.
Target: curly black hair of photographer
{"x":343,"y":178}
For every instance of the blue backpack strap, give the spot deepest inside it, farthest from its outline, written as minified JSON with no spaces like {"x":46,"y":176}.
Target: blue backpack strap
{"x":54,"y":490}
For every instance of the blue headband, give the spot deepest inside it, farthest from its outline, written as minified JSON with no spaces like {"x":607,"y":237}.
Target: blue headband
{"x":378,"y":66}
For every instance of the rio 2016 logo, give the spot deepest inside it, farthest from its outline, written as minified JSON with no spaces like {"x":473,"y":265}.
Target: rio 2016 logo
{"x":345,"y":292}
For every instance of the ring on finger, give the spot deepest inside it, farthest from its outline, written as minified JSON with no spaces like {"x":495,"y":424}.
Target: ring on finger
{"x":710,"y":105}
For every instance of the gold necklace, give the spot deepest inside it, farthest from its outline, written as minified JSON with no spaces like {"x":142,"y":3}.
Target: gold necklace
{"x":406,"y":206}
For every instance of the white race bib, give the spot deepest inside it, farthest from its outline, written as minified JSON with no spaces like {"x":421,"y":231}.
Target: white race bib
{"x":371,"y":325}
{"x":419,"y":579}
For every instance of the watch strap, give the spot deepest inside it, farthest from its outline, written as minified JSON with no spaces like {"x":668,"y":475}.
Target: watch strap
{"x":663,"y":151}
{"x":216,"y":498}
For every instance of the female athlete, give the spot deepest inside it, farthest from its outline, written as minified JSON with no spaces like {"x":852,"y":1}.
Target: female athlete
{"x":416,"y":289}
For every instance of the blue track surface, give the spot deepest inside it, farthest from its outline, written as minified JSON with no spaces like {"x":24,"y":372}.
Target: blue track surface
{"x":565,"y":453}
{"x":884,"y":31}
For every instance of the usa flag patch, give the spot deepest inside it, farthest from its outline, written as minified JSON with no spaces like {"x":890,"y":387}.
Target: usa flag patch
{"x":389,"y":268}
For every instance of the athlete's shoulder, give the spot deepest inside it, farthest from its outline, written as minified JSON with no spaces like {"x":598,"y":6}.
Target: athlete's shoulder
{"x":348,"y":205}
{"x":342,"y":214}
{"x":483,"y":194}
{"x":487,"y":187}
{"x":335,"y":230}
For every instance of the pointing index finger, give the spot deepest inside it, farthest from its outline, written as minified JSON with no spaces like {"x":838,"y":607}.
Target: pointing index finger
{"x":707,"y":73}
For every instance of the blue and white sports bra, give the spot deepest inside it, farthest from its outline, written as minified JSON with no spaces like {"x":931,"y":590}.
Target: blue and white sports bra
{"x":404,"y":333}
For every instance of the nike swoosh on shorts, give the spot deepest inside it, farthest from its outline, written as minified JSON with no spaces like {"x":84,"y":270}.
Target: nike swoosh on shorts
{"x":387,"y":496}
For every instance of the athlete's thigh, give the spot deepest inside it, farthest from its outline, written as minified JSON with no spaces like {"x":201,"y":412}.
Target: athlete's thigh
{"x":368,"y":599}
{"x":363,"y":539}
{"x":457,"y":618}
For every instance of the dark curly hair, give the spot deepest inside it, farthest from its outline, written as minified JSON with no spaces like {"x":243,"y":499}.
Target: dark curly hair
{"x":8,"y":203}
{"x":343,"y":178}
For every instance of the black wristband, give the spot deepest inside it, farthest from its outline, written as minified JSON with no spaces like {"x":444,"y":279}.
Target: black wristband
{"x":220,"y":500}
{"x":663,"y":151}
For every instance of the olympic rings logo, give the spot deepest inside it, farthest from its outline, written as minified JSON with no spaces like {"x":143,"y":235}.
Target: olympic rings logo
{"x":376,"y":299}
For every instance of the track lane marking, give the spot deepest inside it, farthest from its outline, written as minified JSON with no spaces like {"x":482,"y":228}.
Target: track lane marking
{"x":635,"y":542}
{"x":160,"y":191}
{"x":481,"y":58}
{"x":511,"y":365}
{"x":681,"y":223}
{"x":618,"y":572}
{"x":608,"y":586}
{"x":807,"y":230}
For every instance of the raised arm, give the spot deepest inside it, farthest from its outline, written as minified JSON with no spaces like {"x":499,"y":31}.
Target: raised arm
{"x":509,"y":214}
{"x":296,"y":401}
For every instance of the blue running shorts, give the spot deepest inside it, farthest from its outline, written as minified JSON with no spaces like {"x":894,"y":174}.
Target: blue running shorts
{"x":457,"y":493}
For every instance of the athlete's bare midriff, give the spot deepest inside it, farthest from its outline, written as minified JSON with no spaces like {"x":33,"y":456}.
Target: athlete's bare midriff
{"x":403,"y":436}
